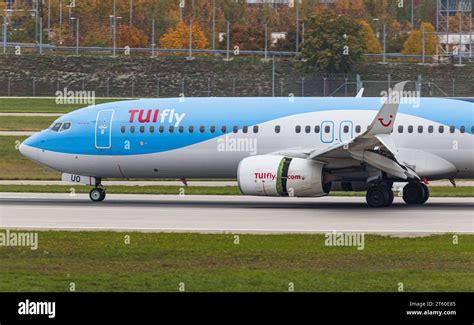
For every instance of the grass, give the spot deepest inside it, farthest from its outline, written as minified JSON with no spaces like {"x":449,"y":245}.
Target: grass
{"x":101,"y":261}
{"x":25,"y":123}
{"x":41,"y":105}
{"x":14,"y":166}
{"x":439,"y":191}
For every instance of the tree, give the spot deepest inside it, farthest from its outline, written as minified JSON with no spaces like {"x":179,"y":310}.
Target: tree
{"x":247,"y":37}
{"x":132,"y":37}
{"x":178,"y":38}
{"x":414,"y":43}
{"x":332,"y":43}
{"x":372,"y":42}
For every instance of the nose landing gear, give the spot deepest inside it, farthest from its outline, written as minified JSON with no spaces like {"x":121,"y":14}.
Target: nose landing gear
{"x":97,"y":194}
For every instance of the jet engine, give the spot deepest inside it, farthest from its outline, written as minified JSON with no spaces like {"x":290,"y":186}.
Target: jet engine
{"x":281,"y":176}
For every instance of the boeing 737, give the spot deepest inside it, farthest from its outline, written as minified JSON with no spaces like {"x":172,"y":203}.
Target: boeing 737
{"x":295,"y":146}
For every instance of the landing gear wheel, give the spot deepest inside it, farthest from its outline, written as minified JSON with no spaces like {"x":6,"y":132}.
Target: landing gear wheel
{"x":379,"y":196}
{"x":97,"y":194}
{"x":415,"y":193}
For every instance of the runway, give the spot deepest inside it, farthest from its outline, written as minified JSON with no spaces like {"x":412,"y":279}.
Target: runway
{"x":232,"y":214}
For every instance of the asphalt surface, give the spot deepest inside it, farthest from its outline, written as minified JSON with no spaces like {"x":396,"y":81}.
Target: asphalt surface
{"x":233,"y":214}
{"x":212,"y":183}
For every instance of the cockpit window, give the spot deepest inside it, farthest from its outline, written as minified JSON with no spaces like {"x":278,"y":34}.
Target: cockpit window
{"x":65,"y":126}
{"x":55,"y":127}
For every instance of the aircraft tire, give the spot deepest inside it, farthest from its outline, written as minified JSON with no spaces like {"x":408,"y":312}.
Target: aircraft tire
{"x":415,"y":193}
{"x":97,"y":194}
{"x":378,"y":196}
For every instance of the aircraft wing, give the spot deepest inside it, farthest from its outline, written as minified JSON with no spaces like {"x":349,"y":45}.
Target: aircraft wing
{"x":374,"y":147}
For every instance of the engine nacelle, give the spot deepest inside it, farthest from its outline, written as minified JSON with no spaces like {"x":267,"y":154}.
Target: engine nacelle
{"x":281,"y":176}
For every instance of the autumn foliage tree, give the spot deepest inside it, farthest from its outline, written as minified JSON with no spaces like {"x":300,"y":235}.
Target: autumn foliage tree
{"x":332,"y":43}
{"x":178,"y":37}
{"x":372,"y":42}
{"x":414,"y":43}
{"x":132,"y":37}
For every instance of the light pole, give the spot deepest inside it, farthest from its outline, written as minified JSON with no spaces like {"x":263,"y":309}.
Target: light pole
{"x":5,"y":24}
{"x":131,"y":13}
{"x":114,"y":29}
{"x":49,"y":17}
{"x":153,"y":38}
{"x":77,"y":33}
{"x":297,"y":26}
{"x":213,"y":25}
{"x":60,"y":20}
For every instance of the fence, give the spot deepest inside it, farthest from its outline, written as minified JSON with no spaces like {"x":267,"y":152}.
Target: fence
{"x":222,"y":85}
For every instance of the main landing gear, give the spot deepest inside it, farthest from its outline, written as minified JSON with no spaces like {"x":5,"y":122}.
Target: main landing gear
{"x":381,"y":195}
{"x":97,"y":194}
{"x":415,"y":193}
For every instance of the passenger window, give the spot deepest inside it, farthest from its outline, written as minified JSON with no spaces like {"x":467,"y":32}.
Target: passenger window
{"x":122,"y":129}
{"x":56,"y":127}
{"x":65,"y":126}
{"x":132,"y":129}
{"x":430,"y":129}
{"x":212,"y":129}
{"x":181,"y":129}
{"x":191,"y":129}
{"x":202,"y":129}
{"x":161,"y":129}
{"x":307,"y":129}
{"x":410,"y":129}
{"x":400,"y":129}
{"x":451,"y":129}
{"x":235,"y":129}
{"x":441,"y":129}
{"x":142,"y":129}
{"x":223,"y":129}
{"x":245,"y":129}
{"x":255,"y":129}
{"x":346,"y":129}
{"x":357,"y":128}
{"x":317,"y":128}
{"x":420,"y":128}
{"x":462,"y":129}
{"x":298,"y":129}
{"x":152,"y":129}
{"x":171,"y":129}
{"x":277,"y":129}
{"x":327,"y":129}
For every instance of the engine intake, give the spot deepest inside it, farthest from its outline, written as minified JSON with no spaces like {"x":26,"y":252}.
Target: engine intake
{"x":281,"y":176}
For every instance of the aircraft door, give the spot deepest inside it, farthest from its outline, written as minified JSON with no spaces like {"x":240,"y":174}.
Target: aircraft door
{"x":345,"y":131}
{"x":103,"y":129}
{"x":327,"y":132}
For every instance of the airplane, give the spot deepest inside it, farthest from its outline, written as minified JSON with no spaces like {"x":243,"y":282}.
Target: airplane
{"x":274,"y":146}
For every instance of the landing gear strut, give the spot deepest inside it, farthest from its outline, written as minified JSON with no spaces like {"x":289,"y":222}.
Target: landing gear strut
{"x":379,"y":196}
{"x":97,"y":194}
{"x":415,"y":193}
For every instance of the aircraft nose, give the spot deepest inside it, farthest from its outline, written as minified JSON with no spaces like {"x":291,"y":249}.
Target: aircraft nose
{"x":28,"y":151}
